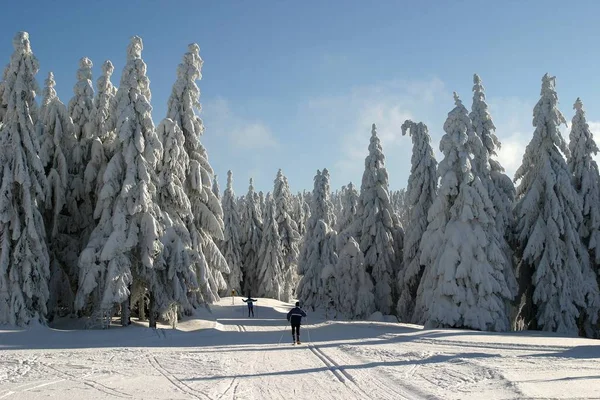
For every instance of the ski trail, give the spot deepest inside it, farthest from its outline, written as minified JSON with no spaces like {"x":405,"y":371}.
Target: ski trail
{"x":331,"y":367}
{"x":153,"y":361}
{"x":89,"y":382}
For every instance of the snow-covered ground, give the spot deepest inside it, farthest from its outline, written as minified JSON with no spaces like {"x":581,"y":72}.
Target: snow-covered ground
{"x":224,"y":355}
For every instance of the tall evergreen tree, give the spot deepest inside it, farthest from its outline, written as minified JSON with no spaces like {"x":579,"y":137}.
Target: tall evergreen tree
{"x":349,"y":208}
{"x":376,"y":226}
{"x":232,"y":244}
{"x":124,"y":246}
{"x":206,"y":207}
{"x":24,"y":258}
{"x":101,"y":138}
{"x":176,"y":270}
{"x":587,"y":184}
{"x":251,"y":240}
{"x":499,"y":186}
{"x":553,"y":263}
{"x":215,"y":188}
{"x":318,"y":249}
{"x":463,"y":284}
{"x":271,"y":260}
{"x":420,"y":194}
{"x":288,"y":234}
{"x":57,"y":143}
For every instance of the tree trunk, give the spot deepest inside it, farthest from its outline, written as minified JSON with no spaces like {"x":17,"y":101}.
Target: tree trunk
{"x":152,"y":314}
{"x":126,"y":312}
{"x":142,"y":309}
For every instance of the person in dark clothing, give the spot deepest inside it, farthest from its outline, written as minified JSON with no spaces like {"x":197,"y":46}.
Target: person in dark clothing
{"x":250,"y":302}
{"x":295,"y":318}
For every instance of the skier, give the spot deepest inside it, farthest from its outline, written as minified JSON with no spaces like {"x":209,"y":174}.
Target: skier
{"x":250,"y":301}
{"x":295,"y":318}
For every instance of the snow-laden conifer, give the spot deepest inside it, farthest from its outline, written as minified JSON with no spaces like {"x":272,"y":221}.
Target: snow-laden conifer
{"x":376,"y":225}
{"x":215,"y":188}
{"x":463,"y":284}
{"x":587,"y":184}
{"x":354,"y":288}
{"x":251,"y":239}
{"x":318,"y":249}
{"x":123,"y":247}
{"x":80,"y":202}
{"x":288,"y":234}
{"x":102,"y":139}
{"x":24,"y":259}
{"x":176,"y":270}
{"x":500,"y":188}
{"x":57,"y":144}
{"x":553,"y":263}
{"x":232,"y":243}
{"x":349,"y":207}
{"x":271,"y":261}
{"x":420,"y":194}
{"x":206,"y":207}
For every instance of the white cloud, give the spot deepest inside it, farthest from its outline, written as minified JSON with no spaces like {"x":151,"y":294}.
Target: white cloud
{"x":387,"y":105}
{"x":239,"y":132}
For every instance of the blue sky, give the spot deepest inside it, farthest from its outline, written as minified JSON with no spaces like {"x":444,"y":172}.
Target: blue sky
{"x":296,"y":85}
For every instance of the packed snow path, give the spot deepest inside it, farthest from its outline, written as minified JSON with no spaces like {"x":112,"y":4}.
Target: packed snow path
{"x":225,"y":355}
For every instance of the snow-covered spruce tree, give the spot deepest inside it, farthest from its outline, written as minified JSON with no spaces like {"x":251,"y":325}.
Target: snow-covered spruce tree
{"x":586,"y":180}
{"x":349,"y":206}
{"x":57,"y":143}
{"x":125,"y":244}
{"x":215,"y":188}
{"x":206,"y":207}
{"x":376,"y":226}
{"x":420,"y":194}
{"x":101,"y":140}
{"x":288,"y":234}
{"x":463,"y":285}
{"x":251,"y":240}
{"x":554,"y":269}
{"x":232,"y":244}
{"x":354,"y":288}
{"x":176,"y":271}
{"x":79,"y":203}
{"x":318,"y":249}
{"x":501,"y":189}
{"x":271,"y":261}
{"x":24,"y":259}
{"x":262,"y":206}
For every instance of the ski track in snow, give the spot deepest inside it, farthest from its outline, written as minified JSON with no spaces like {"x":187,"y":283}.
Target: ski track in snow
{"x":222,"y":355}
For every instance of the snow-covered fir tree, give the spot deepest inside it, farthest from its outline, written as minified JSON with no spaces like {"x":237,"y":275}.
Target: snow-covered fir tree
{"x":318,"y":249}
{"x":400,"y":206}
{"x":215,"y":188}
{"x":125,"y":244}
{"x":354,"y":288}
{"x":251,"y":240}
{"x":262,"y":206}
{"x":349,"y":207}
{"x":101,"y":139}
{"x":463,"y":284}
{"x":232,"y":244}
{"x":420,"y":194}
{"x":501,"y":189}
{"x":376,"y":227}
{"x":554,"y":272}
{"x":206,"y":207}
{"x":57,"y":143}
{"x":176,"y":269}
{"x":24,"y":258}
{"x":271,"y":261}
{"x":79,"y":201}
{"x":288,"y":234}
{"x":587,"y":184}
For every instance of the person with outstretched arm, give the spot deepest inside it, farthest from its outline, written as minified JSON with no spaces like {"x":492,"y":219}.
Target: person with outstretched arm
{"x":250,"y":302}
{"x":295,"y":318}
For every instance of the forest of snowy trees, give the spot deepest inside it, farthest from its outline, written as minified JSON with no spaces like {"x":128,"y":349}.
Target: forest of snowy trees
{"x":106,"y":214}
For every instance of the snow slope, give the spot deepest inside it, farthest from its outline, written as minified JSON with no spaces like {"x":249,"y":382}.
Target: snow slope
{"x":224,"y":355}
